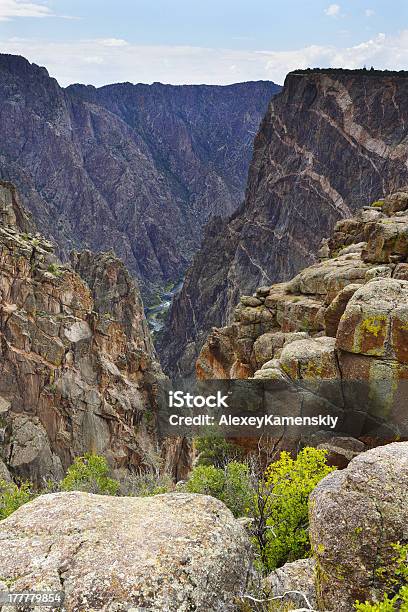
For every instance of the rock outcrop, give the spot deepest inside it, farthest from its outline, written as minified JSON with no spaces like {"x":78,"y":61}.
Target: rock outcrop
{"x":342,"y":319}
{"x":356,"y":515}
{"x":78,"y":371}
{"x":134,"y":168}
{"x":330,"y":143}
{"x":175,"y":552}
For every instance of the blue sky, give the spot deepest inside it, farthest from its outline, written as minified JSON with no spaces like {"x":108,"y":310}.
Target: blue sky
{"x":196,"y":41}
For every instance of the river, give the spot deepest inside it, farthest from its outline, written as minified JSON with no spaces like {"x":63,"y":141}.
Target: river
{"x":155,"y":315}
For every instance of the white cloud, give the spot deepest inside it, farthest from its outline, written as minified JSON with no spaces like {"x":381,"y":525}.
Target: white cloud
{"x":102,"y":61}
{"x":112,"y":42}
{"x":333,"y":10}
{"x":369,"y":12}
{"x":17,"y":8}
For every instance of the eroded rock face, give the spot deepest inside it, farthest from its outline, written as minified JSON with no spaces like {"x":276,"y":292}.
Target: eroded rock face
{"x":359,"y":307}
{"x":302,"y":180}
{"x":174,"y":552}
{"x":355,"y":516}
{"x":77,"y":367}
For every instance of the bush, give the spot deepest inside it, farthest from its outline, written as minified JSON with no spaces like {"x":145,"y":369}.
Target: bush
{"x":13,"y":496}
{"x":281,"y":512}
{"x":54,"y":269}
{"x":90,"y":473}
{"x":231,"y":485}
{"x":214,"y":449}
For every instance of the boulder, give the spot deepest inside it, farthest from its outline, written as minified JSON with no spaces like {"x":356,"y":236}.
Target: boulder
{"x":395,"y":202}
{"x":300,"y":314}
{"x":329,"y":276}
{"x":348,"y":231}
{"x":310,"y":359}
{"x":353,"y":248}
{"x":255,"y":314}
{"x":336,"y":308}
{"x":379,"y":272}
{"x":250,"y":300}
{"x":263,"y":291}
{"x":269,"y":345}
{"x":266,"y":346}
{"x":271,"y":370}
{"x":341,"y":450}
{"x":296,"y":576}
{"x":356,"y":515}
{"x":375,"y":321}
{"x":174,"y":552}
{"x":387,"y":241}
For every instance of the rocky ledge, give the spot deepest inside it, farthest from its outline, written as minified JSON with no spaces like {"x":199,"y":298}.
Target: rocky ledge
{"x":343,"y":318}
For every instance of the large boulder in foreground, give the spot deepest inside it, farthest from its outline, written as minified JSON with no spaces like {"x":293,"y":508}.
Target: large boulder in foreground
{"x":356,"y":515}
{"x":173,"y":552}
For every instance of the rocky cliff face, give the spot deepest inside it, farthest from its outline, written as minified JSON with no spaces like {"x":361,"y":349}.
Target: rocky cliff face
{"x":134,"y":168}
{"x":330,"y":143}
{"x":77,"y":367}
{"x":343,"y":319}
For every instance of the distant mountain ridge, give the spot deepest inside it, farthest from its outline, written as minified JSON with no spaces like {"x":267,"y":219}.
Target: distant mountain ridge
{"x":134,"y":168}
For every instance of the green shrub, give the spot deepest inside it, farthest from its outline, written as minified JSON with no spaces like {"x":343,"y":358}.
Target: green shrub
{"x":214,"y":449}
{"x":13,"y":496}
{"x":282,"y":506}
{"x":231,"y":485}
{"x":54,"y":269}
{"x":90,"y":473}
{"x":388,"y":604}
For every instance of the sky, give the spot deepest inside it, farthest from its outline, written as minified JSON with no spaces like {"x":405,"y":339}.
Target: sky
{"x":202,"y":41}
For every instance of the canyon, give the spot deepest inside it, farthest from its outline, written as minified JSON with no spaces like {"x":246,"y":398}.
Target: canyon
{"x":331,"y":142}
{"x":304,"y":285}
{"x":137,"y":168}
